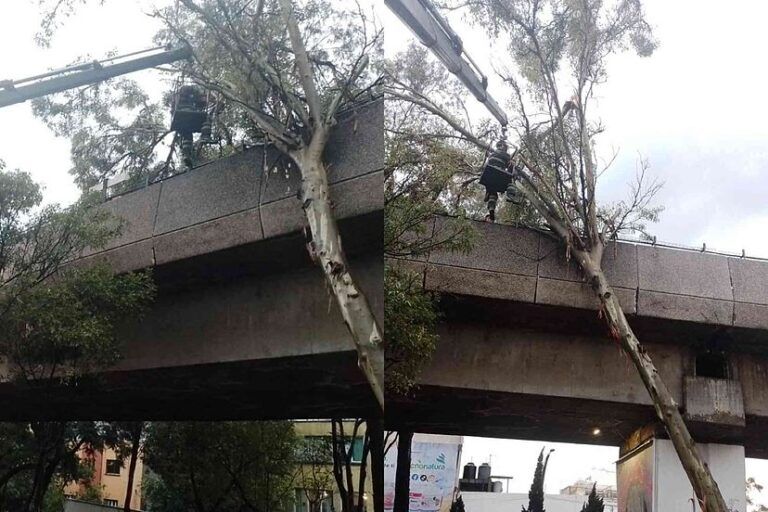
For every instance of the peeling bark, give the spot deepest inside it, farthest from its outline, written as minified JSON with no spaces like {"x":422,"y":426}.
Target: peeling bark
{"x":326,"y":249}
{"x":325,"y":246}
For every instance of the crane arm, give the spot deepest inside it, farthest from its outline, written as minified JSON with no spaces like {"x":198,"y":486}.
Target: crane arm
{"x":19,"y":91}
{"x":434,"y":32}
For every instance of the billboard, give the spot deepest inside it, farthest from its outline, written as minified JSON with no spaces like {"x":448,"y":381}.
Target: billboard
{"x":634,"y":474}
{"x":433,"y":475}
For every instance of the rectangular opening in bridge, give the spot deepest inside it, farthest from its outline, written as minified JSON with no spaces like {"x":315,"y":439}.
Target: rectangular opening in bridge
{"x":713,"y":365}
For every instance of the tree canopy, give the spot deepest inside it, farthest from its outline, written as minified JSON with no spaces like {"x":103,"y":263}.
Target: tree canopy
{"x":58,"y":321}
{"x":208,"y":466}
{"x":244,"y":60}
{"x":594,"y":502}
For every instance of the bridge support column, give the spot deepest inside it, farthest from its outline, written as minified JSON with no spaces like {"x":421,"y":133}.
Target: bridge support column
{"x":650,"y":477}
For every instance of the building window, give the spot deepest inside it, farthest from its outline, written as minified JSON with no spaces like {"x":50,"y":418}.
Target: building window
{"x":319,"y":450}
{"x":300,"y":503}
{"x":113,"y":467}
{"x":110,"y":503}
{"x":357,"y":450}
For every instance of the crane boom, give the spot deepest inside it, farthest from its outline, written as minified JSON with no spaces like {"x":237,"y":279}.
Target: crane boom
{"x":19,"y":91}
{"x":434,"y":32}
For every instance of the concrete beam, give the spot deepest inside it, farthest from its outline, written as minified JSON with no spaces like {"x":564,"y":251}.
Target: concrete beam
{"x":252,"y":347}
{"x":516,"y":264}
{"x":243,"y":326}
{"x":489,"y":379}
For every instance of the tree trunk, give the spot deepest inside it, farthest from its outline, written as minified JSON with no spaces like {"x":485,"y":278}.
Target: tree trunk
{"x":705,"y":487}
{"x":325,"y":248}
{"x":403,"y":472}
{"x":50,"y":439}
{"x":376,"y":433}
{"x":136,"y":443}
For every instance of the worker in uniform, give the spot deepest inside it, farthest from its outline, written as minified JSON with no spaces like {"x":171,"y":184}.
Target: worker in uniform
{"x":498,"y":177}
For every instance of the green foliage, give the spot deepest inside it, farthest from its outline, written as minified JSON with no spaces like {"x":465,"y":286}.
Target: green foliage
{"x":91,"y":493}
{"x":67,"y":326}
{"x":159,"y":497}
{"x":419,"y":186}
{"x":754,"y":487}
{"x":429,"y":170}
{"x":239,"y":465}
{"x":564,"y":31}
{"x":54,"y":499}
{"x":245,"y":64}
{"x":34,"y":240}
{"x":594,"y":502}
{"x":410,"y":318}
{"x":536,"y":494}
{"x":56,"y":321}
{"x":38,"y":459}
{"x":314,"y":472}
{"x":114,"y":127}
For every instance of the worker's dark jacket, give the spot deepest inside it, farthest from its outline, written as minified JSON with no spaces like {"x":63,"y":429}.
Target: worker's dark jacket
{"x":496,"y":175}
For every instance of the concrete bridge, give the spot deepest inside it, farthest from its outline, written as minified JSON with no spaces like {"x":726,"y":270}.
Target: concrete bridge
{"x":523,"y":353}
{"x":243,"y":327}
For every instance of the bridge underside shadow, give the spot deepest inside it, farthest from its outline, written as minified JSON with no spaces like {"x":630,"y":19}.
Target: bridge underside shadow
{"x":294,"y":387}
{"x":514,"y":370}
{"x":450,"y":411}
{"x":248,"y":333}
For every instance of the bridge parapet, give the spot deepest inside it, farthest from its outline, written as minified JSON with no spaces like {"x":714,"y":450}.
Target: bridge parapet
{"x":524,"y":265}
{"x":245,"y":198}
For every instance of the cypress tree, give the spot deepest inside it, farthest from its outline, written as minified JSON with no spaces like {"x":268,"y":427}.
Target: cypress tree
{"x":594,"y":502}
{"x":536,"y":494}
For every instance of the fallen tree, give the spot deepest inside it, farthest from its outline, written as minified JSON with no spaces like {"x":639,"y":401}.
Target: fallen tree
{"x":557,"y":46}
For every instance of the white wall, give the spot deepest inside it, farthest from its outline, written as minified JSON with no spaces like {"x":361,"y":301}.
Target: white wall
{"x":513,"y":502}
{"x":674,"y":491}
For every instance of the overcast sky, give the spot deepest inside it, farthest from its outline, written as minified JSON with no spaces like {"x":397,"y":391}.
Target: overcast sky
{"x":25,"y":142}
{"x":696,"y":110}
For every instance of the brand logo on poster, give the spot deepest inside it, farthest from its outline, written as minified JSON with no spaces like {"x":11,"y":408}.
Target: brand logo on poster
{"x":432,"y":477}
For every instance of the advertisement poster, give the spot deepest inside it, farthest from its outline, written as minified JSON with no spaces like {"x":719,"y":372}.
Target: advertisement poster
{"x":433,"y":476}
{"x":634,"y":475}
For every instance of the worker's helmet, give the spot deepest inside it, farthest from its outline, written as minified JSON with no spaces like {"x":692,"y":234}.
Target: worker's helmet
{"x":501,"y":145}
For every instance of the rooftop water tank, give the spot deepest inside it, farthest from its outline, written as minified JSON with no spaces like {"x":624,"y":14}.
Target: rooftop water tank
{"x":484,"y":471}
{"x":470,"y":471}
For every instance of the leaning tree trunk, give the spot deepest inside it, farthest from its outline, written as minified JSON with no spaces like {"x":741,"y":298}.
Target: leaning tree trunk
{"x":325,"y":248}
{"x":705,"y":487}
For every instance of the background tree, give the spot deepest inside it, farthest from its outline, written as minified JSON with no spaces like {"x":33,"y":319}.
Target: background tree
{"x":127,"y":439}
{"x":37,"y":460}
{"x":427,"y":174}
{"x":403,"y":472}
{"x":314,"y":473}
{"x":344,"y":451}
{"x":536,"y":494}
{"x":594,"y":502}
{"x":559,"y":51}
{"x":753,"y":487}
{"x":277,"y":73}
{"x":246,"y":466}
{"x":57,"y":323}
